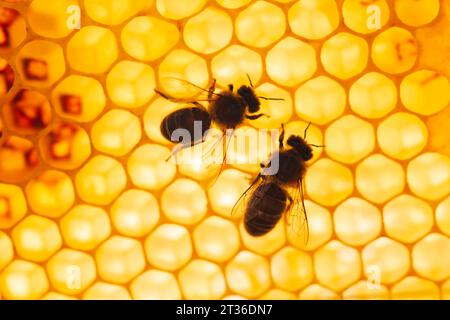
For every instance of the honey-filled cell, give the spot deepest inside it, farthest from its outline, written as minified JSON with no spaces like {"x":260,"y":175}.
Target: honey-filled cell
{"x":66,"y":146}
{"x":78,"y":98}
{"x":41,"y":63}
{"x":18,"y":159}
{"x":13,"y":30}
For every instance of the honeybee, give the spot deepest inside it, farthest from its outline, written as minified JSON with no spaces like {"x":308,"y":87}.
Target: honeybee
{"x":226,"y":110}
{"x":281,"y":191}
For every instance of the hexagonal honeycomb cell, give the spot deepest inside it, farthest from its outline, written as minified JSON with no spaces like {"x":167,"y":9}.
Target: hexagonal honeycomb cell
{"x":96,"y":204}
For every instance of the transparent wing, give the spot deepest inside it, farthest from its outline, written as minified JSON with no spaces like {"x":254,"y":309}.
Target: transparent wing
{"x":241,"y":204}
{"x":199,"y":94}
{"x":295,"y":215}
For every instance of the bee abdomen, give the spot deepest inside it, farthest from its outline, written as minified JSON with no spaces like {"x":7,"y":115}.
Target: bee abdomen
{"x":265,"y":209}
{"x":185,"y":119}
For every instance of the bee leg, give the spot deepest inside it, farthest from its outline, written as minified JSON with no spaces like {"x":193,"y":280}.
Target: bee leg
{"x":231,"y":87}
{"x":306,"y":130}
{"x":281,"y":138}
{"x":316,"y":146}
{"x":211,"y":89}
{"x":256,"y":116}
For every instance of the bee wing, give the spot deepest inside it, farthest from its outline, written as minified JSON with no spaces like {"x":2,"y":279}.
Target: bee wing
{"x":240,"y":207}
{"x":201,"y":94}
{"x":296,"y":218}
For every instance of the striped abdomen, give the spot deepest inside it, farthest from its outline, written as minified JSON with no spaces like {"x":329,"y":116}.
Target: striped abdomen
{"x":265,"y":208}
{"x":185,"y":119}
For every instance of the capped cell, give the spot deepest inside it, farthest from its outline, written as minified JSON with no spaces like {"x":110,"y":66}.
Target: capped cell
{"x":417,"y":13}
{"x":260,"y":24}
{"x":415,"y":288}
{"x":114,"y":12}
{"x":365,"y":16}
{"x":176,"y":10}
{"x":155,"y":285}
{"x":148,"y":38}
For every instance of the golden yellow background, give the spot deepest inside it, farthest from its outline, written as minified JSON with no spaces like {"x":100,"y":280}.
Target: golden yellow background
{"x":90,"y":209}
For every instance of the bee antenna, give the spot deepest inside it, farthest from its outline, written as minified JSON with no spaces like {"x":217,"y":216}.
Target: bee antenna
{"x":273,"y":99}
{"x":249,"y":80}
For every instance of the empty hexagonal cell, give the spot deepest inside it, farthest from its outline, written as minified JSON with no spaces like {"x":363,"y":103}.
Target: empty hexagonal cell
{"x":85,"y":227}
{"x":291,"y":62}
{"x":366,"y":92}
{"x":50,"y":21}
{"x":13,"y":205}
{"x":36,"y":238}
{"x":313,"y":19}
{"x":320,"y":228}
{"x":248,"y":274}
{"x":18,"y":159}
{"x":135,"y":213}
{"x":202,"y":279}
{"x":336,"y":265}
{"x":66,"y":146}
{"x":317,"y":292}
{"x":184,"y":201}
{"x":51,"y":193}
{"x":169,"y":247}
{"x":260,"y":24}
{"x":114,"y":12}
{"x":7,"y":250}
{"x":106,"y":291}
{"x":233,"y":63}
{"x":230,"y":185}
{"x":291,"y":269}
{"x":443,"y":216}
{"x":425,"y":92}
{"x":357,"y":221}
{"x":201,"y":32}
{"x":266,"y":244}
{"x":126,"y":81}
{"x":385,"y":261}
{"x":148,"y":38}
{"x":23,"y":280}
{"x":216,"y":239}
{"x":78,"y":98}
{"x":116,"y":133}
{"x":320,"y":100}
{"x":362,"y":290}
{"x":92,"y":50}
{"x":394,"y":50}
{"x":148,"y":168}
{"x":349,"y":139}
{"x":101,"y":180}
{"x":431,"y":257}
{"x":173,"y":9}
{"x":28,"y":112}
{"x":278,"y":111}
{"x":185,"y":65}
{"x":344,"y":55}
{"x":120,"y":259}
{"x":407,"y":218}
{"x":71,"y":272}
{"x":13,"y":31}
{"x":414,"y":288}
{"x":365,"y":17}
{"x":155,"y":285}
{"x":379,"y":178}
{"x":41,"y":63}
{"x":428,"y":176}
{"x":417,"y":13}
{"x":328,"y":182}
{"x":402,"y":135}
{"x":7,"y":77}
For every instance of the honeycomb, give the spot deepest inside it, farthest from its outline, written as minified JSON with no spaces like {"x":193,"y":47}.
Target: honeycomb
{"x":90,"y":209}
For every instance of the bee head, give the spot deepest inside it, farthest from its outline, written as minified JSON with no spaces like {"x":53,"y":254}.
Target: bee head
{"x":301,"y":147}
{"x":248,"y":94}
